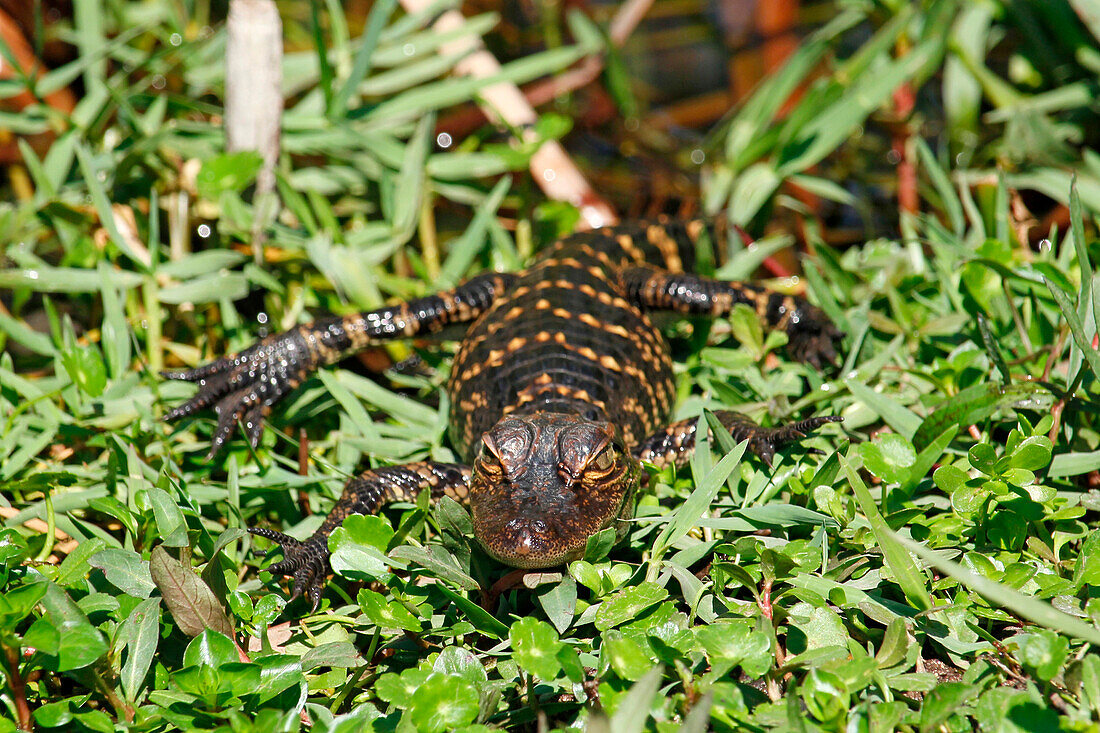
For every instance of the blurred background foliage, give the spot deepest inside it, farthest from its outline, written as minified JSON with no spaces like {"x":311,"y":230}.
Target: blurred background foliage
{"x":937,"y":163}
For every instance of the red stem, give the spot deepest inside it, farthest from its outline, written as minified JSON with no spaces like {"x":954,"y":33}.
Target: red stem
{"x":904,"y":102}
{"x":772,"y":265}
{"x":766,"y":599}
{"x":18,"y":689}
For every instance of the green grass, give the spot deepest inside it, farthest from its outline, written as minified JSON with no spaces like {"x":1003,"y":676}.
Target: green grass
{"x":935,"y":569}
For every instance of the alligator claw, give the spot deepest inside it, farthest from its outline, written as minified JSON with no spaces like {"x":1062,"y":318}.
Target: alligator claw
{"x":306,"y":562}
{"x":241,"y":388}
{"x":763,"y":442}
{"x":812,"y":338}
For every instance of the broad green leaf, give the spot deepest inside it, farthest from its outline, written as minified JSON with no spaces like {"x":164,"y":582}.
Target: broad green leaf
{"x":80,"y":644}
{"x":736,"y":644}
{"x":443,"y":703}
{"x":74,"y":568}
{"x":890,"y":457}
{"x":387,"y":614}
{"x":171,"y":525}
{"x":210,"y":649}
{"x":125,"y":570}
{"x":228,"y":172}
{"x":142,"y":627}
{"x":894,"y":646}
{"x":628,"y":604}
{"x":435,"y":560}
{"x":536,"y":646}
{"x":359,"y":547}
{"x":559,"y":602}
{"x":1045,"y":652}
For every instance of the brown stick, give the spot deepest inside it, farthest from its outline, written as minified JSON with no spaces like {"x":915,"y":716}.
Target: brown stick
{"x":553,"y":170}
{"x":23,"y":61}
{"x":303,"y":452}
{"x":467,"y":119}
{"x":543,"y":92}
{"x":63,"y":99}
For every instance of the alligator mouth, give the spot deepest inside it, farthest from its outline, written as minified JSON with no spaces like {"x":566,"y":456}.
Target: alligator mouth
{"x":531,"y":543}
{"x":535,"y":536}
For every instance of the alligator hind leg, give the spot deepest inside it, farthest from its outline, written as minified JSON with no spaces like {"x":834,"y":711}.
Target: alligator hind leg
{"x":675,"y":444}
{"x":307,"y":561}
{"x":811,"y":336}
{"x":244,"y":386}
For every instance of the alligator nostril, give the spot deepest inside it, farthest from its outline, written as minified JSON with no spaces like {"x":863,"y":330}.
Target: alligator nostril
{"x":523,"y":543}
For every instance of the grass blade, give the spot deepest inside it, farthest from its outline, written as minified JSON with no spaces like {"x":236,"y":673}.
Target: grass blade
{"x":116,"y":332}
{"x":688,"y":514}
{"x":103,"y":203}
{"x":409,"y":186}
{"x":831,"y":126}
{"x":463,"y":250}
{"x":321,"y":50}
{"x":942,"y":183}
{"x":901,"y":564}
{"x":989,"y":341}
{"x":379,"y":14}
{"x":1077,"y":226}
{"x":633,"y":710}
{"x":1010,"y":599}
{"x":893,"y":413}
{"x":1075,"y":327}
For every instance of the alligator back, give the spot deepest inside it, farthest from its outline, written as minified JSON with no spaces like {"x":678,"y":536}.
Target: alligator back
{"x":566,"y":338}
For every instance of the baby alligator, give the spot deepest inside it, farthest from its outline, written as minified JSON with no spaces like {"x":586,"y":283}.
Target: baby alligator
{"x":560,"y":389}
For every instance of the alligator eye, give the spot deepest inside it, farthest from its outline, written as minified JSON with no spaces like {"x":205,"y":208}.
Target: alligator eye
{"x":488,"y":462}
{"x":509,"y":442}
{"x":603,"y":462}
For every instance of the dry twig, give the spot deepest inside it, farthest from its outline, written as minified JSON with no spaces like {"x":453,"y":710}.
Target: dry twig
{"x":551,"y":166}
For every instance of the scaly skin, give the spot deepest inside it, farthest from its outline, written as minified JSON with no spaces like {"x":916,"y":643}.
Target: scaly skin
{"x":561,"y":387}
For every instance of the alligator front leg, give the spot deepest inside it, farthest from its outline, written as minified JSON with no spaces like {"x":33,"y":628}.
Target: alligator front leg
{"x":244,"y":386}
{"x":811,"y":336}
{"x":674,"y":444}
{"x":307,"y":561}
